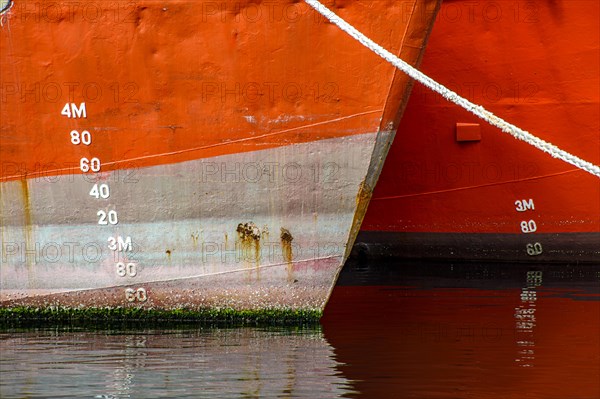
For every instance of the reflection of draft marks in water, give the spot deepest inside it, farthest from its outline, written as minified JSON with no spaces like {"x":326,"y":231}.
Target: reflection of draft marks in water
{"x":133,"y":358}
{"x":236,"y":362}
{"x":525,"y":320}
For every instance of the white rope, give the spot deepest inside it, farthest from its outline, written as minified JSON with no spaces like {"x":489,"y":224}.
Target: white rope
{"x":449,"y":95}
{"x":4,"y":13}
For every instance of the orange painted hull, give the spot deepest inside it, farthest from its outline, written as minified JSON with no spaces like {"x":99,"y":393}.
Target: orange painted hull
{"x":251,"y":77}
{"x":192,"y":153}
{"x":536,"y":65}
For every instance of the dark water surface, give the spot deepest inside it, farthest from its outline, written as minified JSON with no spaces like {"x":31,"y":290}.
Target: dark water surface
{"x":410,"y":331}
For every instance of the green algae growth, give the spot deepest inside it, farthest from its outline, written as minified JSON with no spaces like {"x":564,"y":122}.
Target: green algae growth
{"x":31,"y":316}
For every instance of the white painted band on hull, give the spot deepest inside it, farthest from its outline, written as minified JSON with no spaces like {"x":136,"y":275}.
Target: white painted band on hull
{"x":182,"y":220}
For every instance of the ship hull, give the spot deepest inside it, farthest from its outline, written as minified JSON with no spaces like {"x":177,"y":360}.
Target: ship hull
{"x":187,"y":248}
{"x":454,"y":187}
{"x":192,"y":154}
{"x":560,"y":248}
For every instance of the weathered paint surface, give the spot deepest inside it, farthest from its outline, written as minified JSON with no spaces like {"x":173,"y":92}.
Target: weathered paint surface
{"x":176,"y":82}
{"x":190,"y":153}
{"x":536,"y":65}
{"x":178,"y":233}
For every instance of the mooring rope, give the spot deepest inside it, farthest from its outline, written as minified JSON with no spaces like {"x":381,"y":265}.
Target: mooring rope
{"x":6,"y":6}
{"x":450,"y":95}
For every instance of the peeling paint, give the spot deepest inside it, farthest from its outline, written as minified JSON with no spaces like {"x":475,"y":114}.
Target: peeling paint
{"x":248,"y":230}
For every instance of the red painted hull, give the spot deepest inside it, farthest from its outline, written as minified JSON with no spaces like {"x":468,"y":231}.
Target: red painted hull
{"x":536,"y":65}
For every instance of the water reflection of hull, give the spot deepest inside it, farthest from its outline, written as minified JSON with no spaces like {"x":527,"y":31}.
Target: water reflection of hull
{"x":446,"y":332}
{"x":476,"y":275}
{"x":147,"y":364}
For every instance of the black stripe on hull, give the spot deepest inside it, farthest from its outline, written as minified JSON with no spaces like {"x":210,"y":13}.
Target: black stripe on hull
{"x":572,"y":248}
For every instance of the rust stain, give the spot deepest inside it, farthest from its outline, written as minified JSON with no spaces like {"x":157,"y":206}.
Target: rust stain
{"x":249,"y":236}
{"x":195,"y":237}
{"x":248,"y":230}
{"x":28,"y":230}
{"x":362,"y":203}
{"x":286,"y":249}
{"x":27,"y":212}
{"x":257,"y":257}
{"x":26,"y":202}
{"x":1,"y":220}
